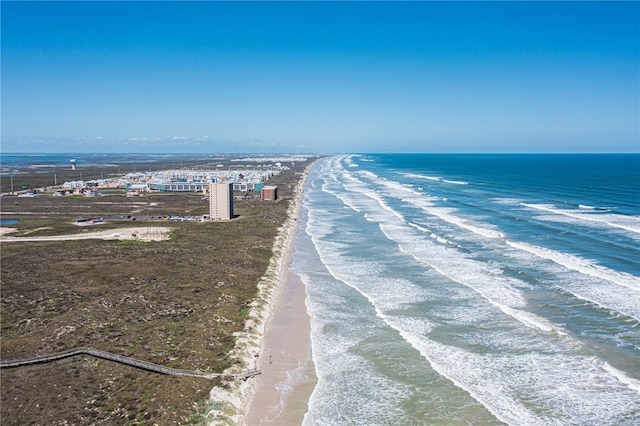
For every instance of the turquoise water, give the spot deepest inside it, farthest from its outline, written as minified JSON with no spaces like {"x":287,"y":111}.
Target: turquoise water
{"x":473,"y":289}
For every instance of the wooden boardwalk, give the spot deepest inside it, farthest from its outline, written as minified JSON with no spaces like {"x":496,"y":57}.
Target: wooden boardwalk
{"x":144,"y":365}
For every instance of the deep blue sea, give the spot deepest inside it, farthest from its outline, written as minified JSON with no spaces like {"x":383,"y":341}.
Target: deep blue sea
{"x":473,"y":289}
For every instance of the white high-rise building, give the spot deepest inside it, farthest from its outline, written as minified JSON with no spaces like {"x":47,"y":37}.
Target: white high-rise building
{"x":221,"y":201}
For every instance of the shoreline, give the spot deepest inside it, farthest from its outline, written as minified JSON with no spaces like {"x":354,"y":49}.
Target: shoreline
{"x":280,"y":394}
{"x":103,"y":306}
{"x":263,"y":344}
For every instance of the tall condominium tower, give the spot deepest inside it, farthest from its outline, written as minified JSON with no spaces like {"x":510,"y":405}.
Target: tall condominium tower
{"x":221,"y":201}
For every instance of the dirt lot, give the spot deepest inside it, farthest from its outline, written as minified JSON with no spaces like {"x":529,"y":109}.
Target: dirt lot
{"x":175,"y":302}
{"x":142,"y":233}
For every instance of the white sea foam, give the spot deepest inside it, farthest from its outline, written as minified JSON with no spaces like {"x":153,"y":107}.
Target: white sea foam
{"x":432,"y":235}
{"x":394,"y":186}
{"x":349,"y":161}
{"x":628,"y":223}
{"x":339,"y":195}
{"x":507,"y":201}
{"x":343,"y":372}
{"x":581,"y":265}
{"x":586,"y":207}
{"x":561,"y":396}
{"x":584,"y":280}
{"x":610,"y":301}
{"x":531,"y":320}
{"x":369,"y":174}
{"x":446,"y":214}
{"x":620,"y":375}
{"x":467,"y":272}
{"x":500,"y":291}
{"x":295,"y":377}
{"x":417,"y":176}
{"x":519,"y":365}
{"x":509,"y":374}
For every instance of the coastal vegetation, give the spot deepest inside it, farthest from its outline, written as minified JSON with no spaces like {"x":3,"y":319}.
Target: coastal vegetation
{"x":177,"y":303}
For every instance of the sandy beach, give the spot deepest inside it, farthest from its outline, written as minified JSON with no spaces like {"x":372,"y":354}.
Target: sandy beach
{"x":281,"y":392}
{"x":277,"y":342}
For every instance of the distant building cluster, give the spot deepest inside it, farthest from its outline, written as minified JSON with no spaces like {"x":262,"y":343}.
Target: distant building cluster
{"x":217,"y":185}
{"x":80,"y":187}
{"x":171,"y":181}
{"x":278,"y":160}
{"x":196,"y":180}
{"x":244,"y":178}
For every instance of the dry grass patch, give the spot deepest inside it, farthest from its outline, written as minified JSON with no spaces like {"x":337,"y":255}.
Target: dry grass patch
{"x":177,"y":303}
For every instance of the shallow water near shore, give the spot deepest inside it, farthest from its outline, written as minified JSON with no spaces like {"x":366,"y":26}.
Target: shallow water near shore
{"x":473,"y":289}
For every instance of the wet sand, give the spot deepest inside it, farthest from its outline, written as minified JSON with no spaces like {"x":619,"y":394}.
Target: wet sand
{"x":282,"y":391}
{"x":280,"y":395}
{"x":278,"y":331}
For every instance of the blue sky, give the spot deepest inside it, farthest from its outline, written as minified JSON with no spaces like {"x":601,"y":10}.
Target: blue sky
{"x":320,"y":77}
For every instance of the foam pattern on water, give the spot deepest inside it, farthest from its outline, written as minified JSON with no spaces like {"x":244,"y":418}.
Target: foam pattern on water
{"x":431,"y":309}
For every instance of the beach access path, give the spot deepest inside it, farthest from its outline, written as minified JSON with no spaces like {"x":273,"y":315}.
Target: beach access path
{"x":133,"y":362}
{"x":144,"y":233}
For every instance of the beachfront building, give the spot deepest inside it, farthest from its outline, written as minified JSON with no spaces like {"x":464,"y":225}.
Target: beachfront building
{"x":178,"y":186}
{"x":196,"y":180}
{"x":269,"y":193}
{"x":221,"y":201}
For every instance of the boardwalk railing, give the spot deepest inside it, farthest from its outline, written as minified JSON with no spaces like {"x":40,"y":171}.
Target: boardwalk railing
{"x":144,"y":365}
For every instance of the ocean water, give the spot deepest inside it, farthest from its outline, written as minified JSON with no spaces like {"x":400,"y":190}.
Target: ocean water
{"x":473,"y":289}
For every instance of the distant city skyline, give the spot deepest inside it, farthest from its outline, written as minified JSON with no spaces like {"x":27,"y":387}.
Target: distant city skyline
{"x":320,"y":77}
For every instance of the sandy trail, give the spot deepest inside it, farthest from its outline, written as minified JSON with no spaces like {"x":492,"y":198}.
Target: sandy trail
{"x":143,"y":233}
